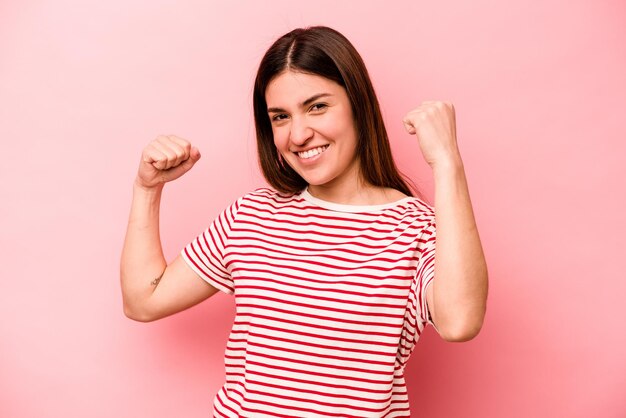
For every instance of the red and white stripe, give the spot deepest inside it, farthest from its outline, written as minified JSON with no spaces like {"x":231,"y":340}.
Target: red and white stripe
{"x":330,"y":302}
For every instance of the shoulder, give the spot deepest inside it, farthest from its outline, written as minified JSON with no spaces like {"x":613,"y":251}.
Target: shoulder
{"x":409,"y":204}
{"x":269,"y":193}
{"x":416,"y":215}
{"x":417,"y":206}
{"x":265,"y":196}
{"x":421,"y":206}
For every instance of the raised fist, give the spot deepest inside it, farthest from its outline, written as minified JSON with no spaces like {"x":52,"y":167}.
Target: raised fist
{"x":434,"y":124}
{"x":165,"y":159}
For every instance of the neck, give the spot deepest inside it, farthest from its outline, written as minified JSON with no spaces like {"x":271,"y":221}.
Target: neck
{"x":357,"y":192}
{"x":347,"y":194}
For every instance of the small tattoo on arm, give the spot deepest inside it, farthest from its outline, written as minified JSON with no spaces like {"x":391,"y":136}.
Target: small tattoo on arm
{"x":156,"y":281}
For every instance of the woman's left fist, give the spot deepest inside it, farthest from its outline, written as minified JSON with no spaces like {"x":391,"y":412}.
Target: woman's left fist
{"x":434,"y":125}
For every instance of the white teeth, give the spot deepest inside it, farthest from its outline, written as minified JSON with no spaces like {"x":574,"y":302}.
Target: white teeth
{"x":312,"y":152}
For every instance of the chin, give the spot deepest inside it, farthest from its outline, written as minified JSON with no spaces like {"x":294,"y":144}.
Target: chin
{"x":317,"y":180}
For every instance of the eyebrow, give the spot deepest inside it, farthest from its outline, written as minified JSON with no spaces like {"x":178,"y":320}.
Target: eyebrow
{"x":304,"y":103}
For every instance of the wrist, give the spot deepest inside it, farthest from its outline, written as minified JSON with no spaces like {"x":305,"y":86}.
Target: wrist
{"x":138,"y":186}
{"x":451,"y":164}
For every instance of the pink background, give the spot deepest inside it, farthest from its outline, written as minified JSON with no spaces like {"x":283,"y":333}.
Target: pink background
{"x":540,"y":96}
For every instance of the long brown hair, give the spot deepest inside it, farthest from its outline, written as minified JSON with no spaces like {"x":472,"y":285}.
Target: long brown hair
{"x":323,"y":51}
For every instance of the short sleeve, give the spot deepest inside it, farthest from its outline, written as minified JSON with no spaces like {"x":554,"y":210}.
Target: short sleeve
{"x":205,"y":254}
{"x":425,"y":270}
{"x":416,"y":316}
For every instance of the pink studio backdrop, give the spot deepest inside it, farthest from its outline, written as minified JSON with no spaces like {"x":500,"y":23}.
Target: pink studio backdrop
{"x":84,"y":85}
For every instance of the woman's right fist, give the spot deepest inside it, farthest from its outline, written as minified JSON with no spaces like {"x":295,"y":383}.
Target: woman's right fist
{"x":165,"y":159}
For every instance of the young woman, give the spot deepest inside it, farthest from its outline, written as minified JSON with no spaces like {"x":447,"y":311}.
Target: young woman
{"x":333,"y":268}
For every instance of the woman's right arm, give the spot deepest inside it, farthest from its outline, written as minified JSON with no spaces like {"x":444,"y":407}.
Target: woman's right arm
{"x":150,"y":288}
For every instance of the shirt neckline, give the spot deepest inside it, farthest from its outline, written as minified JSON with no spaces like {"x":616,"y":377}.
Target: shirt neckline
{"x":341,"y":207}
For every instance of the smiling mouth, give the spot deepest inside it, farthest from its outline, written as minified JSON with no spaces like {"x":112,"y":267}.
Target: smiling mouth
{"x":312,"y":152}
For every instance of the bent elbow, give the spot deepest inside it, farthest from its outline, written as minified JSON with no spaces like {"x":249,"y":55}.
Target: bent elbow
{"x":137,"y":315}
{"x":462,"y":334}
{"x":459,"y":337}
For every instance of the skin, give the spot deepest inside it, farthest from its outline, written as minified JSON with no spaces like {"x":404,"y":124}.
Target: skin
{"x":457,"y":299}
{"x":152,"y":289}
{"x":308,"y":111}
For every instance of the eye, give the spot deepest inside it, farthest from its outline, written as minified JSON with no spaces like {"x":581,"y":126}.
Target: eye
{"x":278,"y":117}
{"x":318,"y":107}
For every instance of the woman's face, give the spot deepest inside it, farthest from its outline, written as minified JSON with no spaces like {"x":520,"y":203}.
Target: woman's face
{"x":313,"y":128}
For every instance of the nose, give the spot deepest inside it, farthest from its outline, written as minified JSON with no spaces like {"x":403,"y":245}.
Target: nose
{"x":300,"y":131}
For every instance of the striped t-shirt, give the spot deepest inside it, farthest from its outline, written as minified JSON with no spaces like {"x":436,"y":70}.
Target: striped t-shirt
{"x":330,"y":301}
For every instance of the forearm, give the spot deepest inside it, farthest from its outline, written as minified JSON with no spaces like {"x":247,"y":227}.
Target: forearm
{"x":142,"y":258}
{"x":461,"y":284}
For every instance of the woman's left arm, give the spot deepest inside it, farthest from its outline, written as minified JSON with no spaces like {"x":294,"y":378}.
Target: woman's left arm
{"x":457,"y":298}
